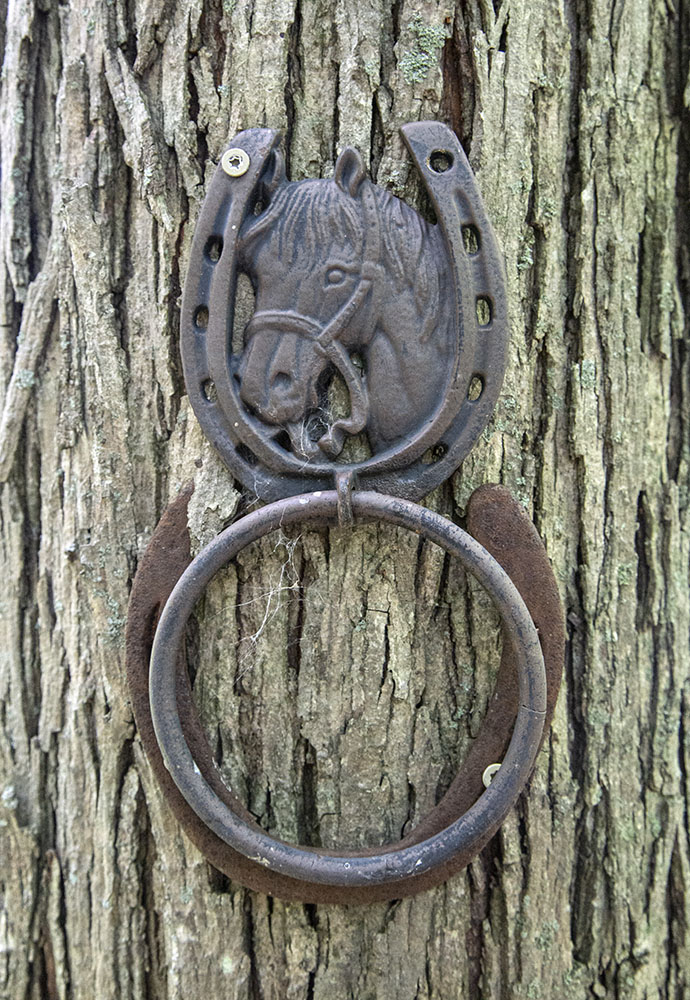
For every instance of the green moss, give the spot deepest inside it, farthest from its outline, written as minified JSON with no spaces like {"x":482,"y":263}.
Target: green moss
{"x":25,"y":378}
{"x":546,"y":935}
{"x":588,"y":374}
{"x":526,"y":259}
{"x":416,"y":62}
{"x":115,"y":620}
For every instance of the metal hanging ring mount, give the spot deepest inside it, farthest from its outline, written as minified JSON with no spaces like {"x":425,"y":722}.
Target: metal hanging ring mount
{"x":339,"y":869}
{"x":374,"y":353}
{"x":499,"y":523}
{"x":348,"y":280}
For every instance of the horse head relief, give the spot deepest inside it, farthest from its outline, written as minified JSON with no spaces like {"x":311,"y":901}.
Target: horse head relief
{"x":341,"y":268}
{"x":352,"y":287}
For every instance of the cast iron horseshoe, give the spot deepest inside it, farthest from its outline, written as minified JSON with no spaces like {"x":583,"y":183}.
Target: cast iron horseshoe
{"x":350,"y":283}
{"x":464,"y":371}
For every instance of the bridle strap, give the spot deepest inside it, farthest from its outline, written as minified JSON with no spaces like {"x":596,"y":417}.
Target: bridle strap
{"x":327,"y":339}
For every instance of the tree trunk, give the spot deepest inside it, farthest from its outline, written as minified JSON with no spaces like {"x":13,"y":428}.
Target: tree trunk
{"x":341,"y":676}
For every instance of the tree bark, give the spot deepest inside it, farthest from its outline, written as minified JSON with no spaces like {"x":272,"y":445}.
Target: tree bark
{"x":341,"y":676}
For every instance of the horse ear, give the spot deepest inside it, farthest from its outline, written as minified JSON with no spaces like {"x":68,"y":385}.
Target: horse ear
{"x":350,"y":171}
{"x":273,"y":175}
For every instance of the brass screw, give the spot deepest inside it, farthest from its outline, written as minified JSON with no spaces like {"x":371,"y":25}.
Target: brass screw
{"x":235,"y":162}
{"x":489,"y":772}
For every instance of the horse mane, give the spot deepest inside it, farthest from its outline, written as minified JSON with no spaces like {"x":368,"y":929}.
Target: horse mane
{"x":312,"y":216}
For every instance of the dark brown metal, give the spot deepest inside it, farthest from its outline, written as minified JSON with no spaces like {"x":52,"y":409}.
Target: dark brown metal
{"x":391,"y":866}
{"x":348,"y":281}
{"x":343,"y":486}
{"x":501,"y":525}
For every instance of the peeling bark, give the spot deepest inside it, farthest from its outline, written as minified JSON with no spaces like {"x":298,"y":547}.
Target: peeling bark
{"x":341,"y":677}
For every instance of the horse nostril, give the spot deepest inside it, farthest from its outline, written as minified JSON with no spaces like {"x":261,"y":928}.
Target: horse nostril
{"x":281,"y":382}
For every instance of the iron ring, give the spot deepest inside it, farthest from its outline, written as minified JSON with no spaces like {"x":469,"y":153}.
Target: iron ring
{"x":469,"y":831}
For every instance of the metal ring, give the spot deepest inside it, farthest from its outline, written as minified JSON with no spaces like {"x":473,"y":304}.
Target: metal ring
{"x":500,"y":524}
{"x":302,"y":863}
{"x":324,"y":867}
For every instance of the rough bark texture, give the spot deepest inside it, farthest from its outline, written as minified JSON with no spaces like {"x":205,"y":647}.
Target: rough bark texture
{"x":342,"y":676}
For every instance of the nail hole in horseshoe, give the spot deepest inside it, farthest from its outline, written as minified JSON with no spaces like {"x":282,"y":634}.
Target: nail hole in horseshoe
{"x":435,"y":453}
{"x":246,"y":454}
{"x":440,"y":161}
{"x":470,"y":238}
{"x":483,"y":310}
{"x":201,"y":318}
{"x":476,"y":388}
{"x":208,"y":390}
{"x":214,"y":248}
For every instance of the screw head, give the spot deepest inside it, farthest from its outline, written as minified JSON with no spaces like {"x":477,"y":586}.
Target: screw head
{"x":235,"y":162}
{"x":488,"y":775}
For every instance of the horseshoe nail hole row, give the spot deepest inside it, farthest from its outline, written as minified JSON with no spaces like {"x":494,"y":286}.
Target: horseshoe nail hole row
{"x":476,"y":388}
{"x":484,"y":311}
{"x":201,"y":317}
{"x":214,"y":248}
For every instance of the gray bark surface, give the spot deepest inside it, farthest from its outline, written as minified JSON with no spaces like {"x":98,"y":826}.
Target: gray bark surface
{"x":342,"y":676}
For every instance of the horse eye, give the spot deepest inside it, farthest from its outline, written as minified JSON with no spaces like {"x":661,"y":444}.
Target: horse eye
{"x":335,"y":276}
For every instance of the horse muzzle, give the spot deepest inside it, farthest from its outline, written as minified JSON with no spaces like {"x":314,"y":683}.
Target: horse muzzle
{"x":274,"y":399}
{"x":284,"y":357}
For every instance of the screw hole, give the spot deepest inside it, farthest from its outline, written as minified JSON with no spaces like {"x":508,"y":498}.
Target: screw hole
{"x":214,"y":248}
{"x":208,"y":390}
{"x":483,"y":310}
{"x":440,"y":161}
{"x":476,"y":388}
{"x":470,"y":237}
{"x":201,"y":318}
